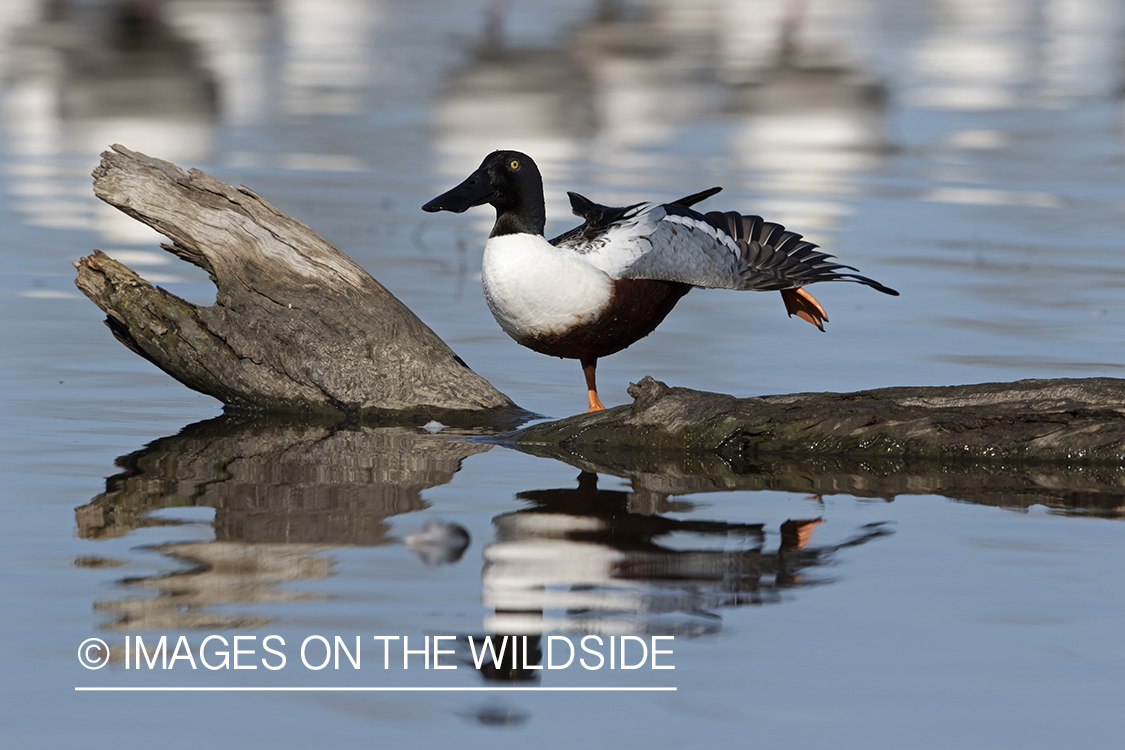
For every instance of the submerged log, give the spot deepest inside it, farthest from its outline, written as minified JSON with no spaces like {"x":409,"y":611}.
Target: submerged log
{"x":296,"y":324}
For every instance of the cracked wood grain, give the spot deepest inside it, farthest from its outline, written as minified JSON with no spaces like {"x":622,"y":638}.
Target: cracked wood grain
{"x":296,"y":324}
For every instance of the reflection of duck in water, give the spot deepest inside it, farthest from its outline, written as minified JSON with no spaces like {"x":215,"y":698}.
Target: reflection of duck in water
{"x":582,"y":561}
{"x":603,"y":569}
{"x":582,"y":550}
{"x":602,"y":286}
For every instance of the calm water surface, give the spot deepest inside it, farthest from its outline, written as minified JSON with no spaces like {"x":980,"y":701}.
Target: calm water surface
{"x":968,"y":154}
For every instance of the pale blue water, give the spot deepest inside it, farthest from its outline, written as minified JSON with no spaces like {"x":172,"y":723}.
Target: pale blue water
{"x":968,"y":154}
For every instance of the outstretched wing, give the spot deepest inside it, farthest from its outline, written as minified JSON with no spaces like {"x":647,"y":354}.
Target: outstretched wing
{"x":717,"y":250}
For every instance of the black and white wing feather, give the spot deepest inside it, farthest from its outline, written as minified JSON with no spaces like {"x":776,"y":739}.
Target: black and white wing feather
{"x":672,"y":242}
{"x":598,"y":217}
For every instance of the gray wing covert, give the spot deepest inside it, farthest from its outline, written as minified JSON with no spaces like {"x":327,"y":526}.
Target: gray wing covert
{"x":680,"y":248}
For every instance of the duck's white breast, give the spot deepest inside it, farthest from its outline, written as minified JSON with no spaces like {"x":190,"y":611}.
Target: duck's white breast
{"x":536,"y":289}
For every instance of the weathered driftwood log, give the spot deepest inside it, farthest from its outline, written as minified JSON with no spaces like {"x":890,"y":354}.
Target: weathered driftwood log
{"x":1077,"y":421}
{"x":295,"y":325}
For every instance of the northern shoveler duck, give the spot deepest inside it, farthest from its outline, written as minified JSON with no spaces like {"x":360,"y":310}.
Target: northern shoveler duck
{"x":600,"y":287}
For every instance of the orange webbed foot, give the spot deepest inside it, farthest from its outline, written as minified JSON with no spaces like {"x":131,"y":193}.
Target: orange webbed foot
{"x":802,"y":304}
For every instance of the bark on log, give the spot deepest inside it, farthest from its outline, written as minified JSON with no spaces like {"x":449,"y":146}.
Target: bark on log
{"x":1063,"y":420}
{"x":295,"y":325}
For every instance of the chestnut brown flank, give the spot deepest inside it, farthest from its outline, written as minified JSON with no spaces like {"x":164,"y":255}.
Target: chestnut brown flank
{"x":635,"y":310}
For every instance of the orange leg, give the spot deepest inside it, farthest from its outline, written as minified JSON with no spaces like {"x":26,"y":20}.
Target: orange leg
{"x":588,"y":368}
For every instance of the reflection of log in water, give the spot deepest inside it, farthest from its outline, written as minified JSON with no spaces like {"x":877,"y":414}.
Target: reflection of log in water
{"x":221,"y":573}
{"x":281,"y":492}
{"x":278,"y":481}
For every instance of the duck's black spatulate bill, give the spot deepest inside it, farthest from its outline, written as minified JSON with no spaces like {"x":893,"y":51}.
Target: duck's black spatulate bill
{"x":476,"y":190}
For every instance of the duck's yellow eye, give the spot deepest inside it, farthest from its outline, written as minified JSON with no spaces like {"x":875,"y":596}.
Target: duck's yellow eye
{"x":514,"y":164}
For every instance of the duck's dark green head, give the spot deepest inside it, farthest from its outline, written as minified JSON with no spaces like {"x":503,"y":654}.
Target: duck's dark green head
{"x":507,"y":180}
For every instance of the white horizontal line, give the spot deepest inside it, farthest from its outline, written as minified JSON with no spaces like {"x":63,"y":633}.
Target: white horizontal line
{"x":296,"y":689}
